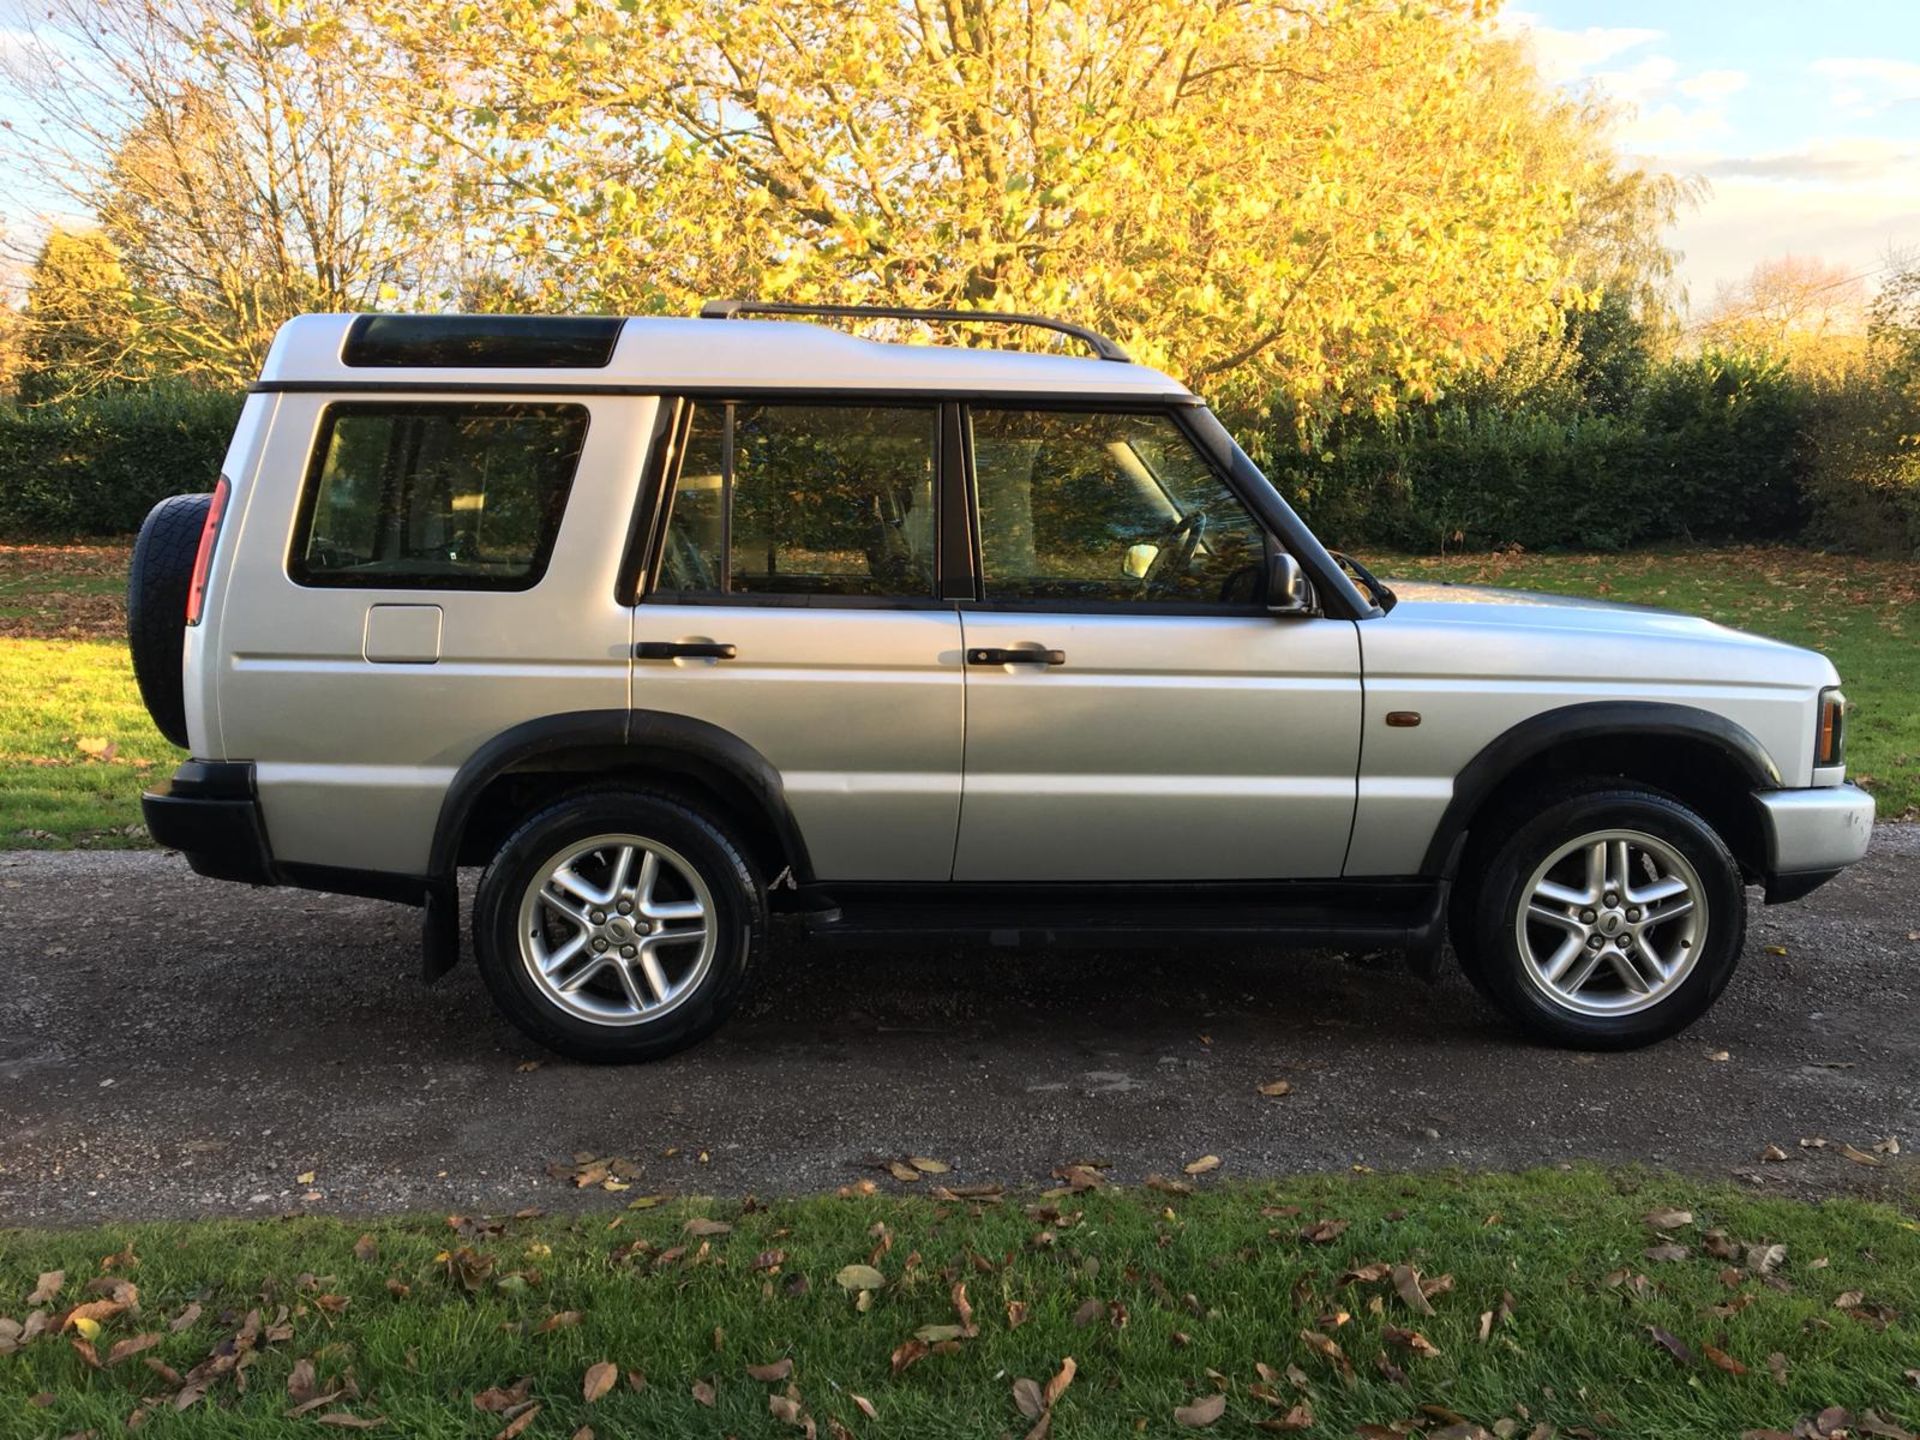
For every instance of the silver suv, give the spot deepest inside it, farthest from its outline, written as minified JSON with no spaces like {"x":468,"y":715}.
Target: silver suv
{"x":673,"y":624}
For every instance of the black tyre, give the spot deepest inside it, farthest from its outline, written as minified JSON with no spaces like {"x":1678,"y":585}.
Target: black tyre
{"x":1611,"y":918}
{"x":618,"y":925}
{"x":157,"y":585}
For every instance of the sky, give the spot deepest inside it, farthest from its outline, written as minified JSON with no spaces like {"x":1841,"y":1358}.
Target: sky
{"x":1803,"y":117}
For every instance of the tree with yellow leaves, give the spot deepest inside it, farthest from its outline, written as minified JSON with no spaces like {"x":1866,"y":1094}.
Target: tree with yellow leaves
{"x":1343,"y":203}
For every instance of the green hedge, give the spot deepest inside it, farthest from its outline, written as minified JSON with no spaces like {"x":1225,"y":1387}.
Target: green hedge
{"x":1718,"y":448}
{"x":96,"y":466}
{"x":1715,"y":449}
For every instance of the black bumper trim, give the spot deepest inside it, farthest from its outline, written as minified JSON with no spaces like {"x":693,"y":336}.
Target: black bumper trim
{"x":207,"y":811}
{"x":1796,"y":883}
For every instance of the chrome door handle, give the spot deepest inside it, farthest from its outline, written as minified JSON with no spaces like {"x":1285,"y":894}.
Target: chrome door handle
{"x":1016,"y":657}
{"x":683,"y":649}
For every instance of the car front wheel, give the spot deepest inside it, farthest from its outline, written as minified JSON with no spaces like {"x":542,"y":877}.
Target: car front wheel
{"x":1612,"y":918}
{"x":618,"y":926}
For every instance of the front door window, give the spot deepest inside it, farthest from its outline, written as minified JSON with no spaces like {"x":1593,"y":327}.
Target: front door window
{"x":1120,"y":507}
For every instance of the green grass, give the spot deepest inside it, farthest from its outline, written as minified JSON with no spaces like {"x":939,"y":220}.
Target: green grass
{"x":1863,"y":614}
{"x":76,"y":745}
{"x":1183,"y":1296}
{"x":64,"y":677}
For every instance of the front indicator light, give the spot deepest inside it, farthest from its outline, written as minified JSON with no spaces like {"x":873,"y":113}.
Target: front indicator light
{"x":1830,"y":741}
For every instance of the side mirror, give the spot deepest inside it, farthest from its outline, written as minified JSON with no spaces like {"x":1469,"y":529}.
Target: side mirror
{"x":1288,"y":590}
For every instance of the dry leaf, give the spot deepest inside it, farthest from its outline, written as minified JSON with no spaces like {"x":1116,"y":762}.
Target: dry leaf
{"x":702,"y":1227}
{"x":928,"y":1167}
{"x":866,"y":1405}
{"x":779,"y":1370}
{"x":1026,"y":1396}
{"x":902,"y":1171}
{"x":1667,"y":1219}
{"x":1016,"y":1314}
{"x":1406,"y":1284}
{"x":1202,"y":1165}
{"x":1773,"y":1155}
{"x":598,"y":1380}
{"x":496,"y":1399}
{"x":518,"y":1425}
{"x":1276,"y":1088}
{"x":1202,"y":1412}
{"x":702,"y":1392}
{"x":1411,"y":1340}
{"x":860,"y":1277}
{"x":1859,"y":1157}
{"x":1667,"y":1253}
{"x":908,"y":1352}
{"x":1673,"y":1345}
{"x":1722,"y":1359}
{"x":48,"y":1289}
{"x":366,"y":1249}
{"x":1063,"y":1377}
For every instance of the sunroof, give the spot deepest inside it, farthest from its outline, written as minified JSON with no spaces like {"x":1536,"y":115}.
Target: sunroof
{"x":525,"y":342}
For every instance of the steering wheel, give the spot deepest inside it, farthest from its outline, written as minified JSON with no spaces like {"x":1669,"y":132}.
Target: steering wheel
{"x":1177,"y":544}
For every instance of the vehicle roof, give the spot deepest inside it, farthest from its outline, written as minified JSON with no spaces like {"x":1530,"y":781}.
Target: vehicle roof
{"x":669,"y":353}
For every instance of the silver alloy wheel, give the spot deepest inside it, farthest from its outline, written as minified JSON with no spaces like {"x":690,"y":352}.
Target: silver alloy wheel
{"x":617,"y":929}
{"x":1611,"y":923}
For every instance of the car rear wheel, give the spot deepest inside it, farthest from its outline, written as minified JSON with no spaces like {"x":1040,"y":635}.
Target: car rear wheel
{"x":1612,"y":918}
{"x":618,"y":926}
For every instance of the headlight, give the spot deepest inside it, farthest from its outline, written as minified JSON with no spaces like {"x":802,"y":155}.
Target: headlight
{"x":1830,"y":740}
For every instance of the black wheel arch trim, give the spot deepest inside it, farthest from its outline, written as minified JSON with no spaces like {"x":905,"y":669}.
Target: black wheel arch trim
{"x":1534,"y":736}
{"x":639,"y":731}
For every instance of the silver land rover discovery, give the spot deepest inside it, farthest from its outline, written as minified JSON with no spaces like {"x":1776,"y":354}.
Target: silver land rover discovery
{"x":674,"y":624}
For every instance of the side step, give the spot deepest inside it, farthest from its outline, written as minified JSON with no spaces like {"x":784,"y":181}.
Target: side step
{"x":1346,"y":914}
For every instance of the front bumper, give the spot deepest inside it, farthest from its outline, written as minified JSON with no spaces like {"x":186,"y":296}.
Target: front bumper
{"x":209,"y":813}
{"x":1812,"y":835}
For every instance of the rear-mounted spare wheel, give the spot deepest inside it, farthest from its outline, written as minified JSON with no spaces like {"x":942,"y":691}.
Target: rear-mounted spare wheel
{"x":158,"y":585}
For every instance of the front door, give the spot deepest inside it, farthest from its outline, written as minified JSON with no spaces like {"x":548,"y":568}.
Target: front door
{"x":1134,"y":713}
{"x":795,"y":605}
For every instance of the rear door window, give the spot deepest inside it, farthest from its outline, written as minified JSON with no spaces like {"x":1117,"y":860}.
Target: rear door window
{"x":804,"y":499}
{"x":436,"y":495}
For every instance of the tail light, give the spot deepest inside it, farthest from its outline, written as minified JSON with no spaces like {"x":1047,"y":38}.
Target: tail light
{"x":203,"y":558}
{"x":1830,"y":741}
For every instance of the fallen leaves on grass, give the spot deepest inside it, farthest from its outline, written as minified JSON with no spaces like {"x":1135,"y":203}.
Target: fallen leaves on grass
{"x":1201,"y":1413}
{"x":1672,"y":1344}
{"x":598,"y":1380}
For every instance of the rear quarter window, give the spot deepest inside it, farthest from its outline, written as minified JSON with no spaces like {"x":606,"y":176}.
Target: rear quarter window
{"x":436,"y":495}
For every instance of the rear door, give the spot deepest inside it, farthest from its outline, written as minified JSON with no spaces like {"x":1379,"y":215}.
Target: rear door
{"x":794,"y":603}
{"x":1133,"y":710}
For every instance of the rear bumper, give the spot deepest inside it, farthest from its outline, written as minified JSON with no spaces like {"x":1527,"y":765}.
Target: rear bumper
{"x":209,"y":813}
{"x":1812,"y":835}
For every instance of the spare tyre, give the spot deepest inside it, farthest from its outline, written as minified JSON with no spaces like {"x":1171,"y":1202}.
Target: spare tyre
{"x":157,"y":585}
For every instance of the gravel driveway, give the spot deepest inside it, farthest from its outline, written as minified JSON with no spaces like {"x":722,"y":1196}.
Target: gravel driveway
{"x":172,"y":1046}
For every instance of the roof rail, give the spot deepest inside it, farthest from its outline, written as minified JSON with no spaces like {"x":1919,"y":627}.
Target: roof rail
{"x":1092,"y":339}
